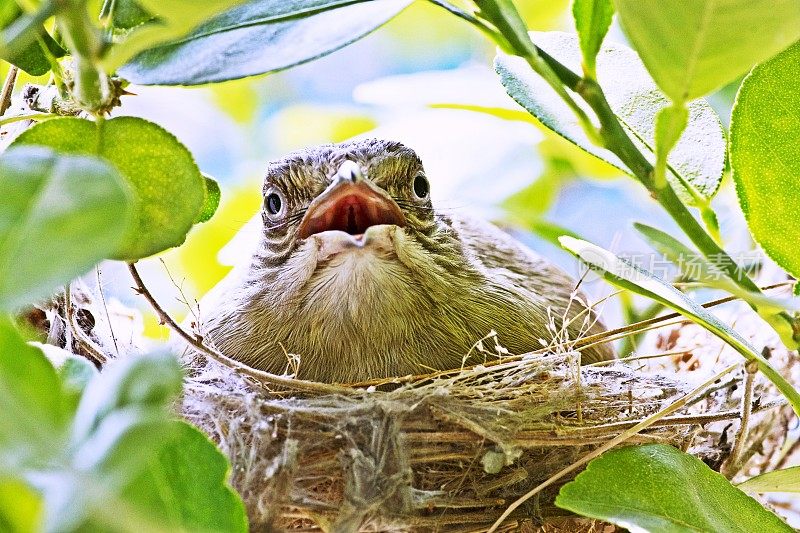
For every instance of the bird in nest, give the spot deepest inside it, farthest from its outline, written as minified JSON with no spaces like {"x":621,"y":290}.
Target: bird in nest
{"x":359,"y":276}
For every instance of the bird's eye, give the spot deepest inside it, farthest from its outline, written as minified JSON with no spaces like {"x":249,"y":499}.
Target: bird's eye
{"x":421,"y":187}
{"x":274,"y":203}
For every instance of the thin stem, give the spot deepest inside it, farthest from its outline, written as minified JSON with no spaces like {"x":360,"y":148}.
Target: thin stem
{"x":8,"y":89}
{"x":30,"y":116}
{"x":196,"y":342}
{"x":735,"y":460}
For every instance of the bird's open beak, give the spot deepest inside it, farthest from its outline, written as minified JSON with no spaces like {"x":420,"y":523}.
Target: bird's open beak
{"x":350,"y":204}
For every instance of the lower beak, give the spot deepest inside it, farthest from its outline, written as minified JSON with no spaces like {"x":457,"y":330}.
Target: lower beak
{"x":350,"y":204}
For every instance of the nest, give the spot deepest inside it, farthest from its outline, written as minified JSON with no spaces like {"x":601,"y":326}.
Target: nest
{"x":452,"y":451}
{"x":444,"y":452}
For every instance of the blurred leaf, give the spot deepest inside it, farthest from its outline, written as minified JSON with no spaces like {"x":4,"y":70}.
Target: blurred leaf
{"x":537,"y":198}
{"x":211,"y":199}
{"x":785,"y":480}
{"x":50,"y":204}
{"x":33,"y":421}
{"x":240,"y":99}
{"x":699,"y":156}
{"x":259,"y":37}
{"x":30,"y":58}
{"x":190,"y":492}
{"x":162,"y":173}
{"x":659,"y":489}
{"x":129,"y":465}
{"x":592,"y":20}
{"x":74,"y":372}
{"x":150,"y":381}
{"x":623,"y":274}
{"x":693,"y":48}
{"x":127,"y":14}
{"x":20,"y":507}
{"x":765,"y":156}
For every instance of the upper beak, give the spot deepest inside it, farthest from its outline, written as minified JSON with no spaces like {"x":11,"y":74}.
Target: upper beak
{"x":351,"y":204}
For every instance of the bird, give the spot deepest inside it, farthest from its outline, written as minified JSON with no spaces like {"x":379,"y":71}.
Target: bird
{"x":357,"y":276}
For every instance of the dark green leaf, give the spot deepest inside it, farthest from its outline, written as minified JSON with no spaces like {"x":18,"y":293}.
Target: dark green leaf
{"x":185,"y":486}
{"x":258,"y":37}
{"x":699,"y":156}
{"x":592,"y":20}
{"x":127,"y":14}
{"x":59,"y":215}
{"x":785,"y":480}
{"x":659,"y":489}
{"x":765,"y":156}
{"x":628,"y":276}
{"x":34,"y":414}
{"x":166,"y":182}
{"x":30,"y":58}
{"x":212,"y":198}
{"x":692,"y":48}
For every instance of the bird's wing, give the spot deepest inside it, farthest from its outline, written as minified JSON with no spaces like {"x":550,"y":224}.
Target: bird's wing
{"x":500,"y":253}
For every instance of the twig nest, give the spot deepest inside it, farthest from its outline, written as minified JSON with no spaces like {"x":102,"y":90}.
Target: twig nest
{"x":441,"y":452}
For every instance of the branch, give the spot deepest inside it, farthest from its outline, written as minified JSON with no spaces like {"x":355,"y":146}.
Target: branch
{"x":196,"y":342}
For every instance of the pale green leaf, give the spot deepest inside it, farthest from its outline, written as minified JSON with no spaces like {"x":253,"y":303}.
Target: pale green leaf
{"x":628,"y":276}
{"x":20,"y":507}
{"x":784,"y":480}
{"x":184,"y":486}
{"x":592,"y":20}
{"x":34,"y":414}
{"x":765,"y":156}
{"x":698,"y":157}
{"x":670,"y":123}
{"x":49,"y":205}
{"x":693,"y":47}
{"x":260,"y":37}
{"x":658,"y":489}
{"x":166,"y":182}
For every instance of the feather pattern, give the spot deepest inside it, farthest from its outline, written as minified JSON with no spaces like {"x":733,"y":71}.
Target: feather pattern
{"x":419,"y":300}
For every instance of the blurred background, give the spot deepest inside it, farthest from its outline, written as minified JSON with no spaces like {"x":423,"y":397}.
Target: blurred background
{"x":425,"y":79}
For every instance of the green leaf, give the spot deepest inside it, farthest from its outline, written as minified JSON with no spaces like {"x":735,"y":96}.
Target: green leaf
{"x":765,"y":156}
{"x":50,"y":204}
{"x":211,"y":201}
{"x":259,"y":37}
{"x":166,"y":182}
{"x":659,"y":489}
{"x":185,"y":486}
{"x":20,"y":507}
{"x":698,"y":158}
{"x":694,"y":266}
{"x":592,"y":20}
{"x":33,"y":421}
{"x":785,"y":480}
{"x":628,"y":276}
{"x":692,"y":48}
{"x":30,"y":58}
{"x":126,"y":14}
{"x":670,"y":123}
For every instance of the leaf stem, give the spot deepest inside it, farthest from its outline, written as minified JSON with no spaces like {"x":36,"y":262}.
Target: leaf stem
{"x":30,"y":116}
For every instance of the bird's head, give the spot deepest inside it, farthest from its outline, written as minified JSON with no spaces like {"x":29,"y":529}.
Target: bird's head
{"x":348,"y":197}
